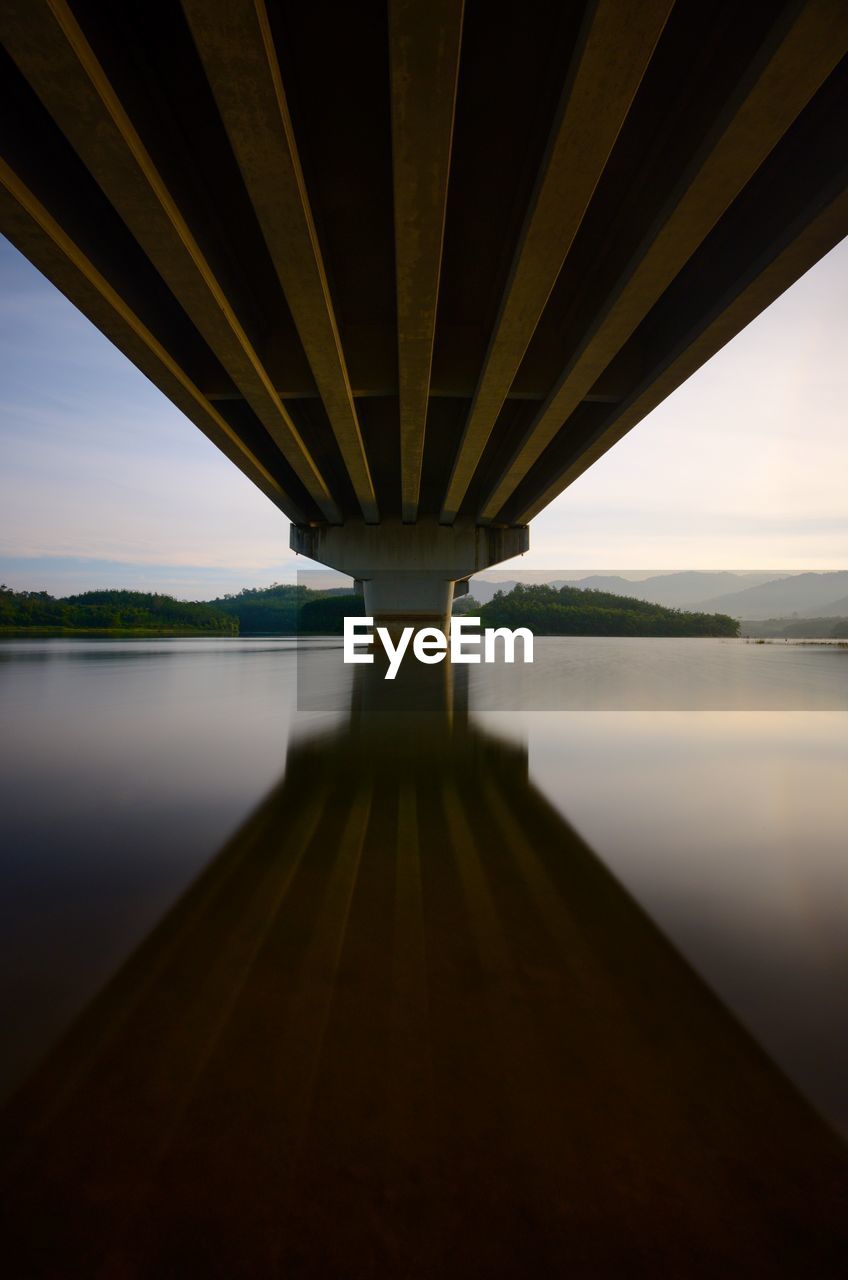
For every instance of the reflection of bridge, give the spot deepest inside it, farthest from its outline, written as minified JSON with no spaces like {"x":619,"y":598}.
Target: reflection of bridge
{"x":407,"y":1024}
{"x":413,"y":267}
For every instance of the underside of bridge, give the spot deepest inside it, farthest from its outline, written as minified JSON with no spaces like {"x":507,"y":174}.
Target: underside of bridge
{"x":418,"y":265}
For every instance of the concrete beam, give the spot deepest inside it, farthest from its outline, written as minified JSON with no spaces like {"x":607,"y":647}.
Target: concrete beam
{"x":373,"y":370}
{"x":794,"y":63}
{"x":37,"y":234}
{"x":237,"y":50}
{"x":802,"y":253}
{"x":612,"y":57}
{"x":424,"y":44}
{"x":50,"y":48}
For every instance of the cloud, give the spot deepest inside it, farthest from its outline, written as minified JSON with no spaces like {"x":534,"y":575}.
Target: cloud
{"x":67,"y":575}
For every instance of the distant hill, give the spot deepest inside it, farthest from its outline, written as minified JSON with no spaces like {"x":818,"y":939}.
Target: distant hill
{"x":672,"y":590}
{"x":603,"y":582}
{"x":796,"y":628}
{"x":282,"y":609}
{"x":483,"y":590}
{"x":288,"y":609}
{"x":818,"y":600}
{"x":575,"y":611}
{"x":265,"y":610}
{"x":676,"y":590}
{"x":802,"y":593}
{"x":276,"y":609}
{"x":127,"y":611}
{"x":836,"y":609}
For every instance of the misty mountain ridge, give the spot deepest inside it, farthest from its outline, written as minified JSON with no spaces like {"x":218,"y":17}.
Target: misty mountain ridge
{"x":671,"y":590}
{"x":813,"y":594}
{"x":676,"y":590}
{"x":836,"y":609}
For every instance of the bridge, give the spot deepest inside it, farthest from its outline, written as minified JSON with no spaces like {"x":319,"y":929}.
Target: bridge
{"x":413,"y":267}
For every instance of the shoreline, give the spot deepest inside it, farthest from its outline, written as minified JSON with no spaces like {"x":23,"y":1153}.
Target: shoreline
{"x":93,"y":632}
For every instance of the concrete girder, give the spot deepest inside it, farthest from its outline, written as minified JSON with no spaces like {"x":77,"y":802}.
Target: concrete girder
{"x":806,"y":249}
{"x":611,"y":59}
{"x":795,"y":62}
{"x":33,"y":230}
{"x":424,"y":44}
{"x":237,"y":51}
{"x":53,"y":53}
{"x":453,"y":374}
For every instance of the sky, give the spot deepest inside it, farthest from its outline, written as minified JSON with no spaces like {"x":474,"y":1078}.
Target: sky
{"x":103,"y":482}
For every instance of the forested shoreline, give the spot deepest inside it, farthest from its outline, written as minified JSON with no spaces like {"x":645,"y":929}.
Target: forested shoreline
{"x":572,"y":611}
{"x":286,"y":609}
{"x":278,"y":610}
{"x":132,"y":612}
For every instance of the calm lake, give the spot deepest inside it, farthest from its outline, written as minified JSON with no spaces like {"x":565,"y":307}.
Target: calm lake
{"x":318,"y":973}
{"x":709,"y":777}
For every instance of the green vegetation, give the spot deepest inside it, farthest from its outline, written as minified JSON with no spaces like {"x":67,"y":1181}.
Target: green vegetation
{"x":797,"y":629}
{"x":287,"y":610}
{"x":270,"y":610}
{"x":281,"y":609}
{"x":570,"y":611}
{"x":325,"y":616}
{"x":465,"y":605}
{"x":97,"y":611}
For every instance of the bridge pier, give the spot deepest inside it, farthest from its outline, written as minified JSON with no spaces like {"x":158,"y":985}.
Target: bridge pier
{"x":409,"y":571}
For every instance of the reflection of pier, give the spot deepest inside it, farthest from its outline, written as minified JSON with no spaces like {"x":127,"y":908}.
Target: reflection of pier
{"x":407,"y":1025}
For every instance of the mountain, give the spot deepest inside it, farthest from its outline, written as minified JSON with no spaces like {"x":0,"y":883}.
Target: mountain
{"x":796,"y":628}
{"x":603,"y":582}
{"x":138,"y":611}
{"x":671,"y":590}
{"x":572,"y":611}
{"x":483,"y":589}
{"x":782,"y":597}
{"x":836,"y":609}
{"x":676,"y":590}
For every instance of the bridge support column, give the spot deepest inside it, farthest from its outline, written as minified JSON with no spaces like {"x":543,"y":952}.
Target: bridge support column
{"x":408,"y":571}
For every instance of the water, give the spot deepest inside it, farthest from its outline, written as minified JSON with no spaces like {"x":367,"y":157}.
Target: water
{"x":708,"y":777}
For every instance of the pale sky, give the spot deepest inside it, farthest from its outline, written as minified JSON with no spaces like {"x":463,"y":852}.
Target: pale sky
{"x":104,"y":483}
